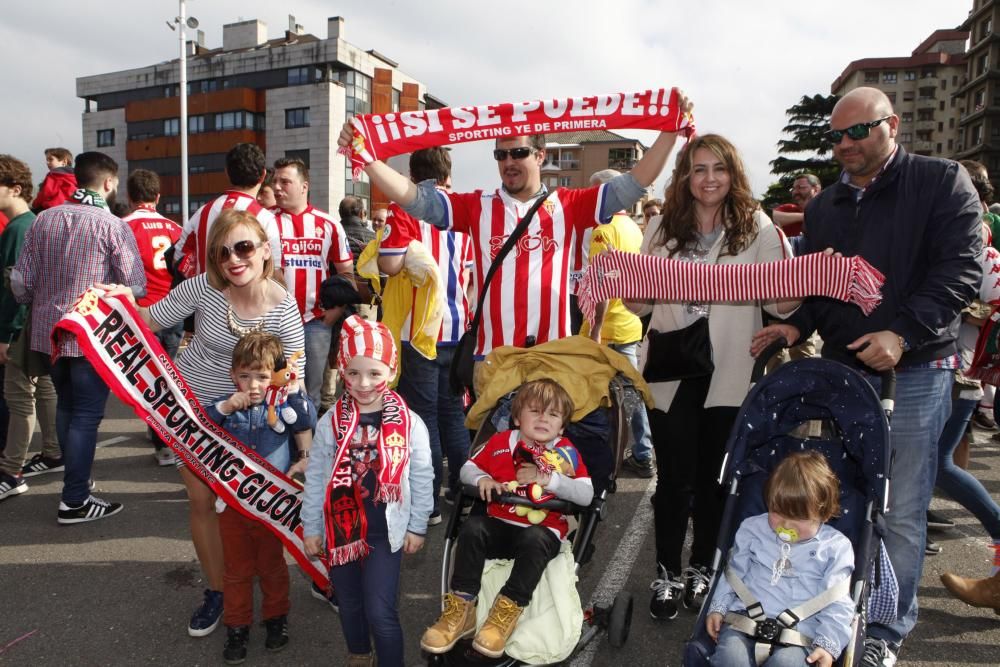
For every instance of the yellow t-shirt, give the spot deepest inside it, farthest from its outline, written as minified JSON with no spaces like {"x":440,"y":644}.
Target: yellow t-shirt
{"x":621,"y":326}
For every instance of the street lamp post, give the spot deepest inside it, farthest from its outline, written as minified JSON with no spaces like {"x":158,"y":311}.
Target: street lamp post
{"x":183,"y":21}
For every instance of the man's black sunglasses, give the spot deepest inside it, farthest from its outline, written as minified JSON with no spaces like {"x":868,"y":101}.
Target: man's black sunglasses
{"x":500,"y":154}
{"x":856,"y":132}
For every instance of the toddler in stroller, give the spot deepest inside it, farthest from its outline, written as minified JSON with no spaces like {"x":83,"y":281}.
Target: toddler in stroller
{"x":826,"y":407}
{"x":787,"y":561}
{"x":533,"y":461}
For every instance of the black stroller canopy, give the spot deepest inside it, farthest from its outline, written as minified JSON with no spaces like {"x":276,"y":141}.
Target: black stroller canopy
{"x":813,"y":389}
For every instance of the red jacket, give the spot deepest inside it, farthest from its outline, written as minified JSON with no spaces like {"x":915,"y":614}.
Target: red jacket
{"x":58,"y":186}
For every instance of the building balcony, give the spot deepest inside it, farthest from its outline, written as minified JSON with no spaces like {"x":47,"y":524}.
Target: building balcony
{"x":925,"y":125}
{"x":561,"y":165}
{"x":922,"y":145}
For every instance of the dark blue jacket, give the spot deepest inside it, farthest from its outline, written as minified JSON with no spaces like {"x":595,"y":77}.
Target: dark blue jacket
{"x":919,"y":224}
{"x":250,"y":426}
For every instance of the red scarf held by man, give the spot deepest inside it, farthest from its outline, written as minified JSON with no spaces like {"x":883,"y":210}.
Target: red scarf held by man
{"x":346,"y":523}
{"x":622,"y":275}
{"x":381,"y":136}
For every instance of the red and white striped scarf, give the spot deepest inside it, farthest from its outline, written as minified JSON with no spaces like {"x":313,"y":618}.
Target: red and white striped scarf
{"x":622,"y":275}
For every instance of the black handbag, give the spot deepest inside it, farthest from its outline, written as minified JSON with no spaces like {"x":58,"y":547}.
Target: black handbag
{"x":464,"y":360}
{"x":679,"y":355}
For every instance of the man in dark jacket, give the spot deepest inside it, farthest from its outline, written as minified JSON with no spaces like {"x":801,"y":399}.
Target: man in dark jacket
{"x":916,"y":219}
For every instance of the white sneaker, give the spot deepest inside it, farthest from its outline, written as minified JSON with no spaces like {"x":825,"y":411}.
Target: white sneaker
{"x":165,"y":457}
{"x":92,"y":509}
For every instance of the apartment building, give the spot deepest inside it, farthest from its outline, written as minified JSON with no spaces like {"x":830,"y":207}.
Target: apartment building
{"x":979,"y":92}
{"x":571,"y":157}
{"x":290,"y":95}
{"x":921,"y":87}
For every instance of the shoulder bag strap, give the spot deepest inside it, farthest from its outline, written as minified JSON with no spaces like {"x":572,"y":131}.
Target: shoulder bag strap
{"x":498,"y":260}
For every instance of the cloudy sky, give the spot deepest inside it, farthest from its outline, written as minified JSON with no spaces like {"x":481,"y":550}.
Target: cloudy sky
{"x":743,"y":63}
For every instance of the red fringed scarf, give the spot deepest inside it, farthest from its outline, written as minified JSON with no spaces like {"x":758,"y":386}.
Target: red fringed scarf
{"x":380,"y":136}
{"x":346,"y":523}
{"x":621,"y":275}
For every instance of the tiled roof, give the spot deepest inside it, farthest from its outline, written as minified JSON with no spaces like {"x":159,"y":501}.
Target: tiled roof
{"x":585,"y":137}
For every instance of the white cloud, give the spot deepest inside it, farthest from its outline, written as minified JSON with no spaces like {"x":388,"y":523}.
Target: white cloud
{"x":743,"y":63}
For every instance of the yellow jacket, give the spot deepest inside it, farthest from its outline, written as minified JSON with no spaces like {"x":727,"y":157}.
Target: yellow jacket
{"x":416,"y":288}
{"x":581,"y":366}
{"x":621,"y":326}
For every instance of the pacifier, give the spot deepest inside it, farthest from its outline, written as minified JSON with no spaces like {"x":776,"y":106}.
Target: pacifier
{"x":787,"y":534}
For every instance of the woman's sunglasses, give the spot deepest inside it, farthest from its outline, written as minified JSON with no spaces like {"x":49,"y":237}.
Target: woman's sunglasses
{"x":242,"y":250}
{"x":856,"y":132}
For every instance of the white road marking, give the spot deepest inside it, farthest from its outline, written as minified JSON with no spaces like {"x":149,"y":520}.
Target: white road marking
{"x":615,"y":578}
{"x":112,"y":441}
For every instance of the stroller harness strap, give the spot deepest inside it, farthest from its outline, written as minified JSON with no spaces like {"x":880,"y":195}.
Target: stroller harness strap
{"x":777,"y":631}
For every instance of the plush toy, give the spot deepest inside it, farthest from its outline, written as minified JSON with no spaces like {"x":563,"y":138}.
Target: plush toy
{"x":561,"y":459}
{"x":276,"y":394}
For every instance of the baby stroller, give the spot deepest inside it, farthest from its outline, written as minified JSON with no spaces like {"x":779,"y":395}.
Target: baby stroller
{"x":825,"y":406}
{"x":601,"y":438}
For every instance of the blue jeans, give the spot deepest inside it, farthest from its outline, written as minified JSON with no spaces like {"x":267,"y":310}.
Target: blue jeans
{"x":318,"y":337}
{"x":923,"y":403}
{"x":81,"y":395}
{"x":170,"y":338}
{"x":366,"y":591}
{"x":423,"y":384}
{"x":642,"y":443}
{"x":735,"y":649}
{"x":960,"y":486}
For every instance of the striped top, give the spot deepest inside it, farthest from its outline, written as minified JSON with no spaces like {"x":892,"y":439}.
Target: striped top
{"x":310,"y":242}
{"x":206,"y":361}
{"x":453,"y":253}
{"x":193,"y":242}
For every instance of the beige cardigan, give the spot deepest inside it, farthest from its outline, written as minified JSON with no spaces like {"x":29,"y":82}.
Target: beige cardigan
{"x":730,"y":325}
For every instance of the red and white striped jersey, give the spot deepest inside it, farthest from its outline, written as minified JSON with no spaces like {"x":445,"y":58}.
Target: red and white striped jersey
{"x":193,"y":243}
{"x":154,"y":234}
{"x":310,"y":242}
{"x":453,"y":253}
{"x":529,"y":295}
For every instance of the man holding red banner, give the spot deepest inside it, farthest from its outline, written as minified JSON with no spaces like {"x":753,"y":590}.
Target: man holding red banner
{"x":528,"y":299}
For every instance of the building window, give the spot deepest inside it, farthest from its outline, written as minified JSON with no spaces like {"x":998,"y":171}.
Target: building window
{"x":983,"y":64}
{"x":977,"y":134}
{"x":171,"y":127}
{"x":892,"y":97}
{"x":300,"y":154}
{"x":196,"y":124}
{"x":565,"y":181}
{"x":299,"y":75}
{"x":298,"y":117}
{"x":105,"y":138}
{"x":395,"y":100}
{"x":909,"y":75}
{"x":358,"y":91}
{"x":888,"y":77}
{"x":907,"y":117}
{"x":951,"y":144}
{"x":927,"y":73}
{"x":951,"y":123}
{"x":985,"y":28}
{"x":908,"y":95}
{"x":905,"y":137}
{"x":871,"y":77}
{"x":230,"y":120}
{"x":622,"y":159}
{"x":172,"y":207}
{"x":939,"y":147}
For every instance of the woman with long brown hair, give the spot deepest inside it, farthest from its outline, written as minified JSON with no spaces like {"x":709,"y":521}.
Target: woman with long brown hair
{"x":709,"y":216}
{"x":237,"y":295}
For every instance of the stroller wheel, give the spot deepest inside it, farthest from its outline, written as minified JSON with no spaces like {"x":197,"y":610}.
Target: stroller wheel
{"x":620,"y":619}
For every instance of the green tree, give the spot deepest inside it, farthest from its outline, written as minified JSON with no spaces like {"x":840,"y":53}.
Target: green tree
{"x":807,"y":121}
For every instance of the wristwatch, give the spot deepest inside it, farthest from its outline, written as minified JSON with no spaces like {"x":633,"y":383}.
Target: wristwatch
{"x":904,"y":345}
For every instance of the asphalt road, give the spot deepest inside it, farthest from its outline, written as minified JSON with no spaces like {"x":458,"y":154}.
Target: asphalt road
{"x":120,"y":591}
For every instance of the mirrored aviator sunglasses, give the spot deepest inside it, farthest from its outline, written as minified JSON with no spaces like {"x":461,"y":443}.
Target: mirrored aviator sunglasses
{"x":242,"y":249}
{"x":856,"y":132}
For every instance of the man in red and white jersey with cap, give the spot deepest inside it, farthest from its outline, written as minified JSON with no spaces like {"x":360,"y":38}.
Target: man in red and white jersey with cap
{"x":246,"y":169}
{"x":311,"y":241}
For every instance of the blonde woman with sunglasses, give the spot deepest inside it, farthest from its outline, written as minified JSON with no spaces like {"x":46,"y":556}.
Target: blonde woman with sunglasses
{"x":237,"y":295}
